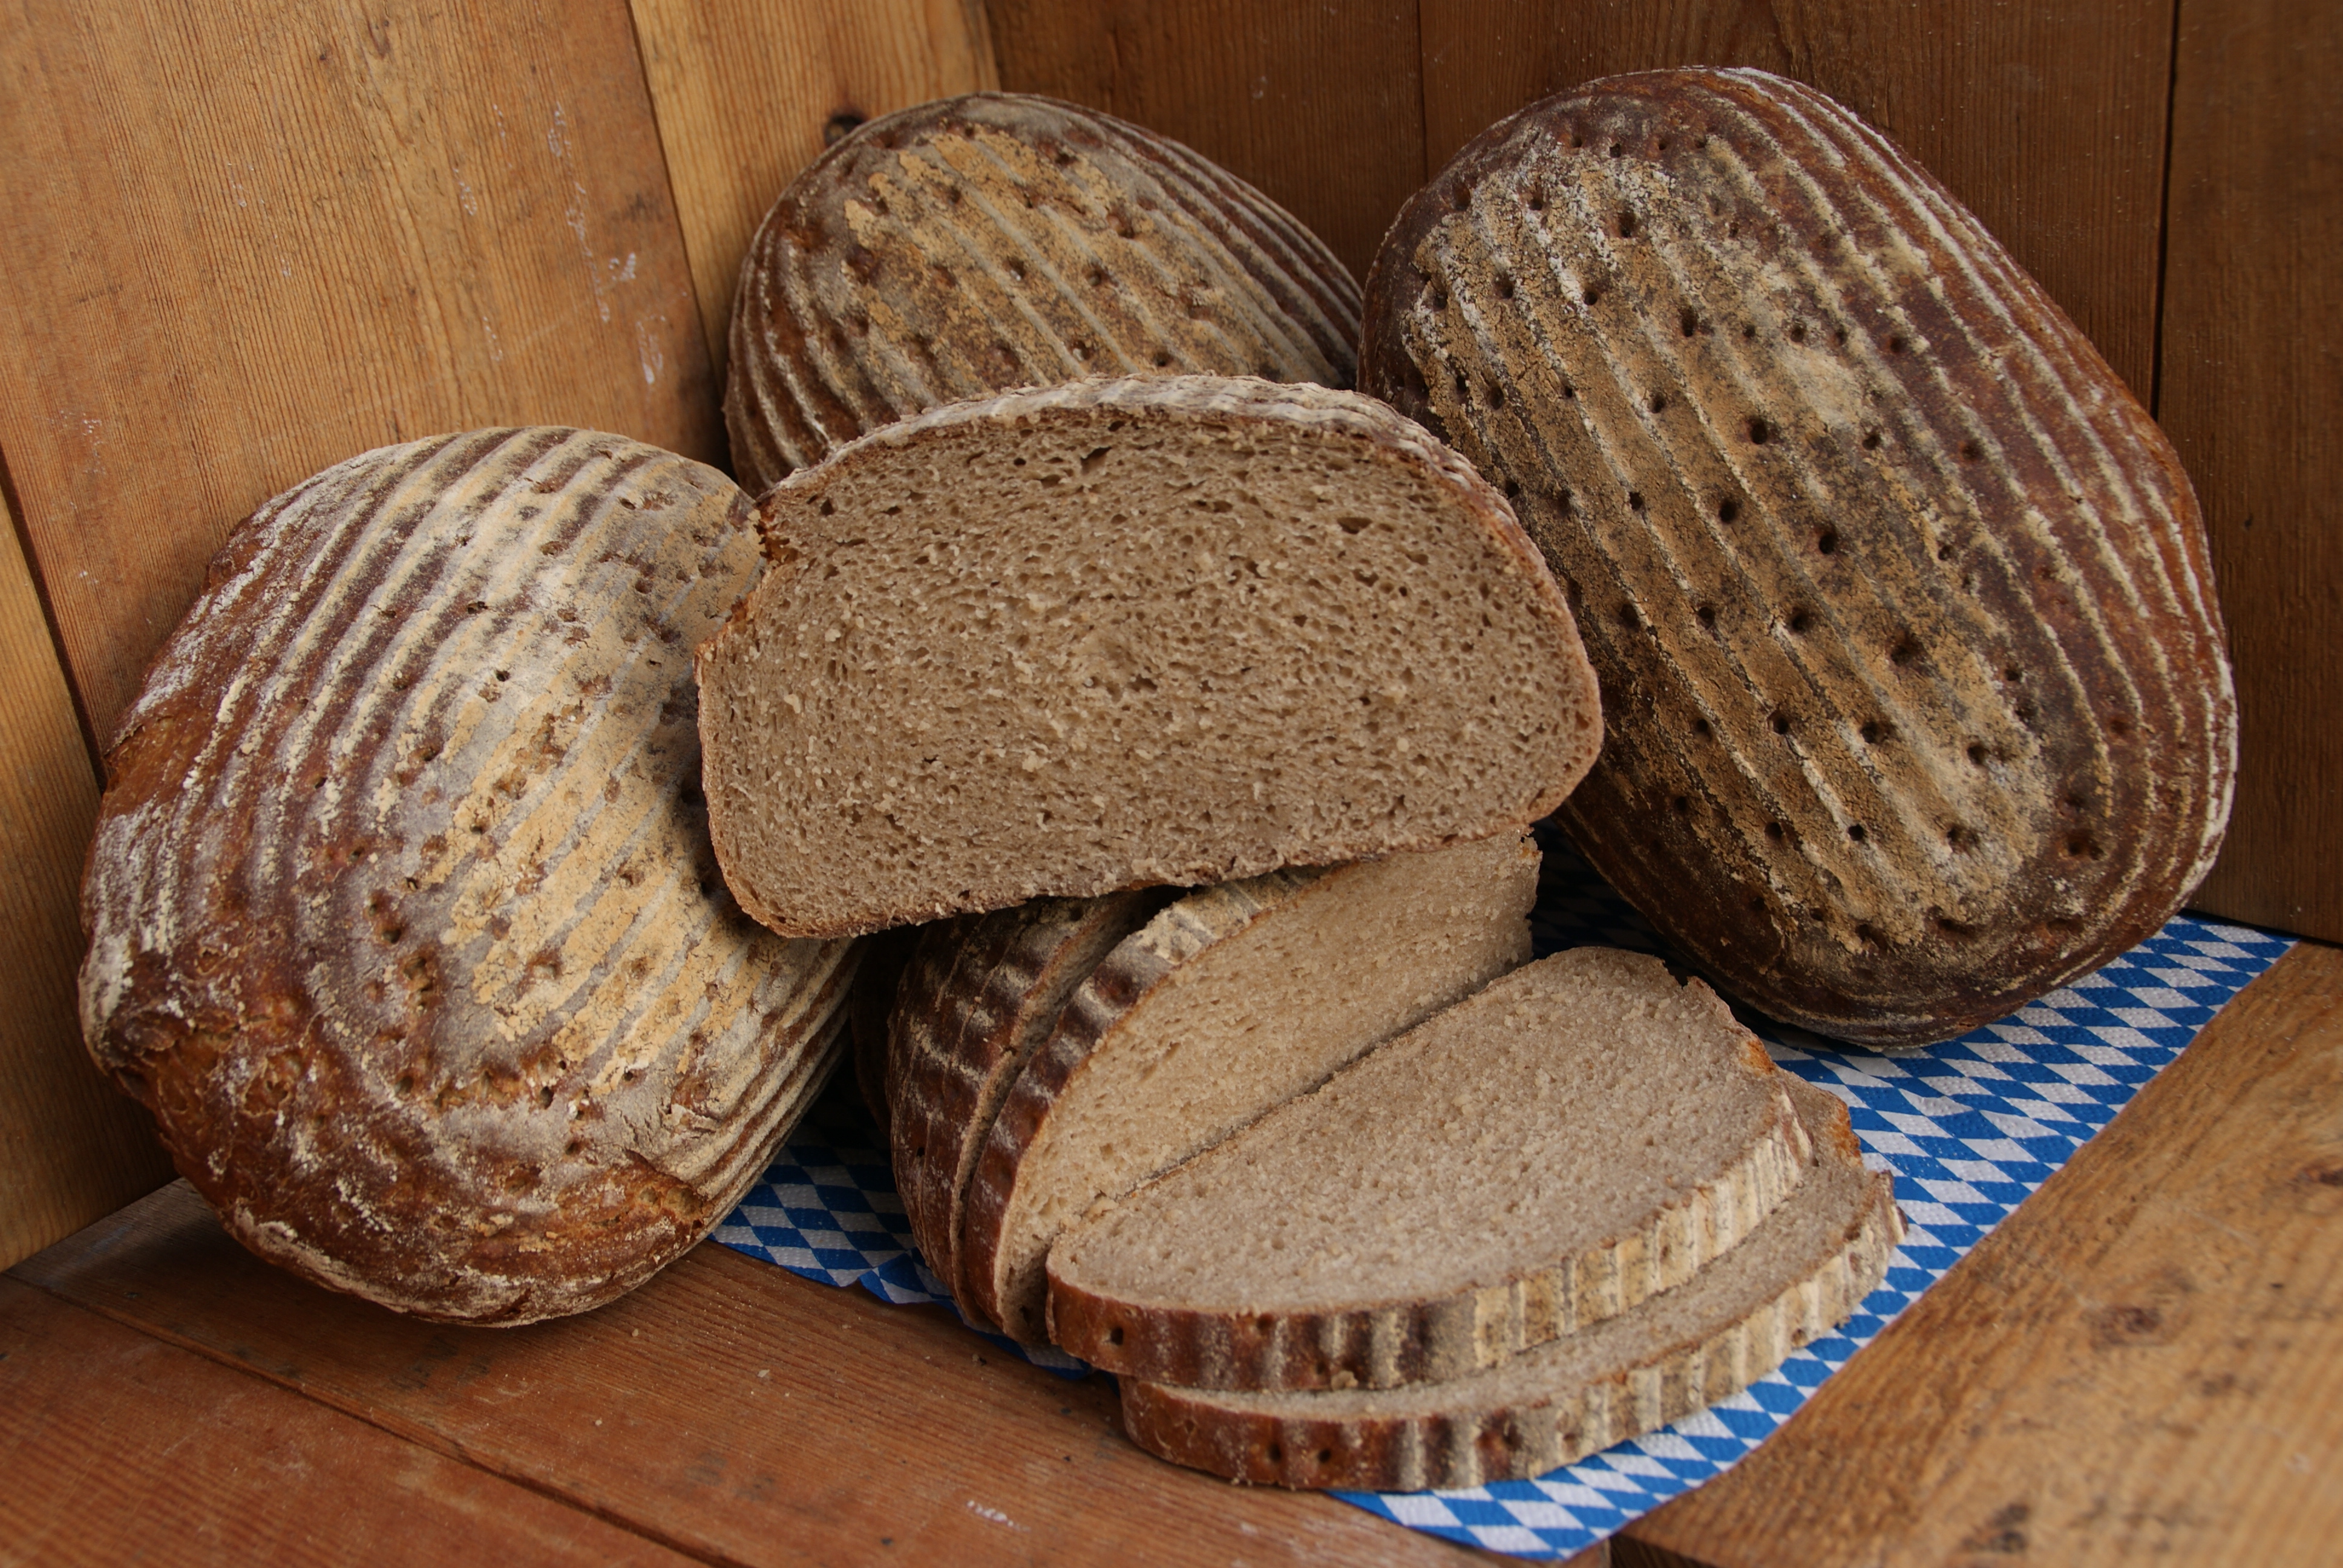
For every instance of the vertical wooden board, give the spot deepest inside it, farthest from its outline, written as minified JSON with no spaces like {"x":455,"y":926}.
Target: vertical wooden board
{"x":72,"y":1148}
{"x":247,"y":241}
{"x":747,"y":93}
{"x":2253,"y":397}
{"x":2143,"y":1365}
{"x":2046,"y":119}
{"x":120,"y":1449}
{"x":1320,"y":105}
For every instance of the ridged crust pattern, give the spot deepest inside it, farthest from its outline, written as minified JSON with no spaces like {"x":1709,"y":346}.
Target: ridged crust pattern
{"x":1429,"y":1338}
{"x":1471,"y":1432}
{"x":1561,"y":716}
{"x":995,"y":240}
{"x":980,"y":995}
{"x":403,"y":917}
{"x":1908,"y":599}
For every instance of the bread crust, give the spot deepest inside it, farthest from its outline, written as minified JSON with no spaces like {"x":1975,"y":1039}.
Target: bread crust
{"x":980,"y":995}
{"x":1283,"y":1443}
{"x":403,"y":919}
{"x":998,"y":240}
{"x":1908,"y":598}
{"x":790,"y":515}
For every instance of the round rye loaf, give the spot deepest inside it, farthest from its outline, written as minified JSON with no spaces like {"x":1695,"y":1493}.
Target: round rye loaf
{"x":404,"y":920}
{"x":1901,"y":603}
{"x":994,"y":241}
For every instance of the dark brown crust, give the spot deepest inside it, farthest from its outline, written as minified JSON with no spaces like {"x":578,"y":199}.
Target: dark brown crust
{"x":404,"y":921}
{"x":1471,"y":1446}
{"x":1929,"y":707}
{"x":980,"y":993}
{"x":1567,"y":715}
{"x":992,"y":241}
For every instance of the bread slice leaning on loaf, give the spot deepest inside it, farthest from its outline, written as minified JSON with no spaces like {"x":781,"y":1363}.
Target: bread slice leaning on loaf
{"x":1584,"y":1133}
{"x":1158,"y":630}
{"x":1227,"y":1004}
{"x":997,"y":240}
{"x":403,"y":917}
{"x":1903,"y":602}
{"x":1799,"y":1274}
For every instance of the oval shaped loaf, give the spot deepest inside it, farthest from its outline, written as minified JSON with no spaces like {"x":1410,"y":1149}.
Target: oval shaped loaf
{"x":1160,"y":630}
{"x":992,"y":241}
{"x":1806,"y":1268}
{"x":403,"y":917}
{"x":1903,"y":599}
{"x":1228,"y":1003}
{"x":1579,"y":1134}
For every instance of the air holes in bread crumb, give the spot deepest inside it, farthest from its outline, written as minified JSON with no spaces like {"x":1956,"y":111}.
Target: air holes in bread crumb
{"x":1978,"y":755}
{"x":1707,"y":614}
{"x":1592,"y":295}
{"x":1727,"y":509}
{"x":1856,"y":831}
{"x":1701,"y":727}
{"x":1760,"y":432}
{"x":1828,"y":542}
{"x":1634,"y":500}
{"x":1351,"y":524}
{"x":1781,"y":724}
{"x":1870,"y":440}
{"x":830,"y":508}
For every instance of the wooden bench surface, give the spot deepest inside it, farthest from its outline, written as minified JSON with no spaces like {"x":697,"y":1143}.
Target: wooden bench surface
{"x":2146,"y":1362}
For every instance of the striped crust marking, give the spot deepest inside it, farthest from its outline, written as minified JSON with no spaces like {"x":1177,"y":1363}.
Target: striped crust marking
{"x":1569,"y":709}
{"x":994,"y":241}
{"x":404,"y":919}
{"x":1916,"y":595}
{"x":1383,"y":1343}
{"x":1629,"y":1376}
{"x":980,"y":995}
{"x":1009,"y":1206}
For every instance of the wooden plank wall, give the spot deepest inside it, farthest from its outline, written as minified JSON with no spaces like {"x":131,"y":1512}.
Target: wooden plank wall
{"x":247,"y":241}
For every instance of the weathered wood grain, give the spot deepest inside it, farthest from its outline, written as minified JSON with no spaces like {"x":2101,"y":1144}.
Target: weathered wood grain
{"x":728,"y":1408}
{"x":72,"y":1148}
{"x":247,"y":241}
{"x":1318,"y":106}
{"x":2144,"y":1363}
{"x":2046,"y":119}
{"x":119,"y":1448}
{"x":2252,"y":395}
{"x":747,"y":93}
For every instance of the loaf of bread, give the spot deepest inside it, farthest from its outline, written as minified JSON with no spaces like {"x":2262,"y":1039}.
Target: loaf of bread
{"x":1580,"y":1135}
{"x":1801,"y":1273}
{"x":1899,"y":600}
{"x":403,"y":917}
{"x":995,"y":241}
{"x":1154,"y":630}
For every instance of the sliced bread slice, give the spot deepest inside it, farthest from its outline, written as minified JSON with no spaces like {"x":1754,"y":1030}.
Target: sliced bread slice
{"x":979,"y":994}
{"x":1161,"y":630}
{"x":1228,"y":1003}
{"x":1796,"y":1277}
{"x":1585,"y":1133}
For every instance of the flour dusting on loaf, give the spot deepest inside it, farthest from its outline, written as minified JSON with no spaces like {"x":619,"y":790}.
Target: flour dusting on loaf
{"x":404,"y":919}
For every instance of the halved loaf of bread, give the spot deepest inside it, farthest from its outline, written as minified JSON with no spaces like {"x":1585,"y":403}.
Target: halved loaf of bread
{"x":998,"y":240}
{"x":1157,"y":630}
{"x":980,"y":995}
{"x":1902,"y":601}
{"x":1583,"y":1134}
{"x":1797,"y":1276}
{"x":403,"y":917}
{"x":1226,"y":1004}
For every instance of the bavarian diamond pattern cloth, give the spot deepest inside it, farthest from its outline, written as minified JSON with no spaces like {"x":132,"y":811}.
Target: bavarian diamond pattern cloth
{"x":1969,"y":1128}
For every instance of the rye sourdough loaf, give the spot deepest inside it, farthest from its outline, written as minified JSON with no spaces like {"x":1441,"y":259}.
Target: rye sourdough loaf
{"x":403,"y":917}
{"x":1583,"y":1134}
{"x":1903,"y":601}
{"x":1154,"y":630}
{"x":1804,"y":1268}
{"x":1227,"y":1004}
{"x":980,"y":995}
{"x":994,"y":241}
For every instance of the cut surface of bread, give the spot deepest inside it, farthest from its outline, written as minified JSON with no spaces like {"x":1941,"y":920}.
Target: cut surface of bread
{"x":992,"y":241}
{"x":1228,"y":1003}
{"x":981,"y":994}
{"x":1797,"y":1276}
{"x":1165,"y":630}
{"x":1584,"y":1133}
{"x":1903,"y":602}
{"x":404,"y":919}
